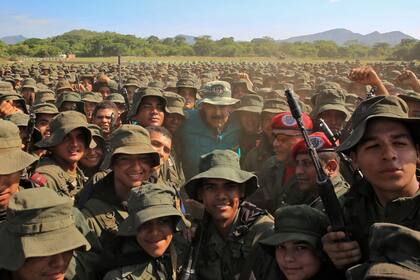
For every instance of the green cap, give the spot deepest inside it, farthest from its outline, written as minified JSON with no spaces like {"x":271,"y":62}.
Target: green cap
{"x":64,"y":123}
{"x":250,"y":103}
{"x":45,"y":108}
{"x":63,"y":85}
{"x":147,"y":92}
{"x":38,"y":223}
{"x":221,"y":164}
{"x":186,"y":83}
{"x":116,"y":98}
{"x":330,"y":99}
{"x":45,"y":95}
{"x":175,"y":103}
{"x":132,"y":82}
{"x":19,"y":119}
{"x":245,"y":82}
{"x":389,"y":107}
{"x":148,"y":202}
{"x":394,"y":253}
{"x":300,"y":223}
{"x":132,"y":140}
{"x":94,"y":97}
{"x":29,"y":83}
{"x":410,"y":96}
{"x":69,"y":96}
{"x":12,"y":158}
{"x":217,"y":93}
{"x":275,"y":106}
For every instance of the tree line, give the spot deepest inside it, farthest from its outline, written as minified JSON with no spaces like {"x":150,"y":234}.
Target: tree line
{"x":84,"y":43}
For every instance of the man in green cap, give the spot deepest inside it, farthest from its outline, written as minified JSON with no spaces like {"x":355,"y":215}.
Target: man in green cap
{"x":28,"y":90}
{"x":12,"y":163}
{"x":9,"y":100}
{"x":209,"y":127}
{"x":44,"y":112}
{"x":39,"y":236}
{"x":176,"y":116}
{"x":412,"y":99}
{"x":264,"y":147}
{"x":45,"y":95}
{"x":188,"y":89}
{"x":149,"y":108}
{"x":156,"y":251}
{"x":384,"y":146}
{"x":90,"y":101}
{"x":241,"y":86}
{"x":394,"y":252}
{"x":69,"y":100}
{"x":230,"y":229}
{"x":69,"y":138}
{"x":131,"y":85}
{"x":132,"y":159}
{"x":249,"y":114}
{"x":106,"y":116}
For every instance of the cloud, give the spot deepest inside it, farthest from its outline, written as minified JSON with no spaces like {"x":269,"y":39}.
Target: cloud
{"x":26,"y":25}
{"x":334,"y":1}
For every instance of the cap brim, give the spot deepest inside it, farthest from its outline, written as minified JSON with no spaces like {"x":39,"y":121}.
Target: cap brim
{"x":58,"y":136}
{"x":13,"y":160}
{"x":219,"y":100}
{"x":132,"y":150}
{"x":336,"y":107}
{"x":176,"y":110}
{"x":278,"y":238}
{"x":227,"y":173}
{"x":390,"y":271}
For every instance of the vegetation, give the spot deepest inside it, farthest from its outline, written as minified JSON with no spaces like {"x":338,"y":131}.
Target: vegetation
{"x":84,"y":43}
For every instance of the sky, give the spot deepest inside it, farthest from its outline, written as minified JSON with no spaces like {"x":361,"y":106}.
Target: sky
{"x":241,"y":19}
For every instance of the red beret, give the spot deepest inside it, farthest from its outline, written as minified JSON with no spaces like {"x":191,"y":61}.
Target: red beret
{"x":318,"y":139}
{"x":286,"y":123}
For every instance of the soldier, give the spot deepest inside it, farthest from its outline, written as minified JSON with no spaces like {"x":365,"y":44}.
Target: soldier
{"x":176,"y":116}
{"x":188,"y":89}
{"x":305,"y":190}
{"x":12,"y":163}
{"x":106,"y":116}
{"x":44,"y":112}
{"x":413,"y":101}
{"x":264,"y":147}
{"x":131,"y":85}
{"x":28,"y":90}
{"x":296,"y":246}
{"x":241,"y":86}
{"x":231,"y":228}
{"x":249,"y":114}
{"x":69,"y":139}
{"x":10,"y":101}
{"x":39,"y":236}
{"x":384,"y":146}
{"x":209,"y":127}
{"x":394,"y":252}
{"x":149,"y":108}
{"x":131,"y":160}
{"x":69,"y":101}
{"x":155,"y":252}
{"x":90,"y":101}
{"x":44,"y":95}
{"x":91,"y":161}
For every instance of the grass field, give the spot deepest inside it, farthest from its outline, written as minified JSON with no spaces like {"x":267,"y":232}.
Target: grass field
{"x":183,"y":59}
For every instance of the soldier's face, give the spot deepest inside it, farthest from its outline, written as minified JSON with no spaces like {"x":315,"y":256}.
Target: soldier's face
{"x":173,"y":122}
{"x":9,"y":185}
{"x":221,"y":199}
{"x":103,"y":119}
{"x":151,"y":112}
{"x":131,"y":170}
{"x":334,"y":119}
{"x":297,"y":260}
{"x":250,"y":122}
{"x":189,"y":95}
{"x":387,"y":157}
{"x":89,"y":107}
{"x":283,"y":144}
{"x":266,"y":123}
{"x":93,"y":157}
{"x":44,"y":268}
{"x":305,"y":172}
{"x":42,"y":124}
{"x":239,"y":90}
{"x":28,"y":94}
{"x":105,"y":91}
{"x":155,"y":236}
{"x":162,"y":145}
{"x":72,"y":148}
{"x":216,"y":116}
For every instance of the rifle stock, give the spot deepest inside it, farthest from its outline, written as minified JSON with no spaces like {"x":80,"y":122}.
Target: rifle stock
{"x":326,"y":187}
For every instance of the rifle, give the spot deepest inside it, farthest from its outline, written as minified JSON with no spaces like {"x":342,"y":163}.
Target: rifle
{"x":188,"y":271}
{"x":333,"y":139}
{"x":326,"y":187}
{"x":31,"y":125}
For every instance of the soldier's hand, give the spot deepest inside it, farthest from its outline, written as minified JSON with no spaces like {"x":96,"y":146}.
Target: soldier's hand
{"x":408,"y":78}
{"x":364,"y":76}
{"x":342,"y":253}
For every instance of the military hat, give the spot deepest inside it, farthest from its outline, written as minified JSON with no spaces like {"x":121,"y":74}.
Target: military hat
{"x":117,"y":98}
{"x":186,"y":83}
{"x":12,"y":158}
{"x":148,"y":202}
{"x":44,"y":95}
{"x":394,"y":253}
{"x":388,"y":107}
{"x":29,"y":83}
{"x":217,"y":93}
{"x":410,"y":96}
{"x":133,"y":140}
{"x":97,"y":135}
{"x":175,"y":103}
{"x":156,"y":84}
{"x":39,"y":223}
{"x":5,"y":87}
{"x":64,"y":123}
{"x":275,"y":106}
{"x":70,"y":96}
{"x":45,"y":108}
{"x":8,"y":93}
{"x":19,"y":119}
{"x":298,"y":223}
{"x":318,"y":139}
{"x":245,"y":82}
{"x":330,"y":99}
{"x":147,"y":92}
{"x":285,"y":123}
{"x":63,"y":85}
{"x":132,"y":82}
{"x":250,"y":103}
{"x":94,"y":97}
{"x":221,"y":164}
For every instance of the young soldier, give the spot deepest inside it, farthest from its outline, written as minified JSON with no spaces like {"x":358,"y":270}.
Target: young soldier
{"x":384,"y":146}
{"x":230,"y":228}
